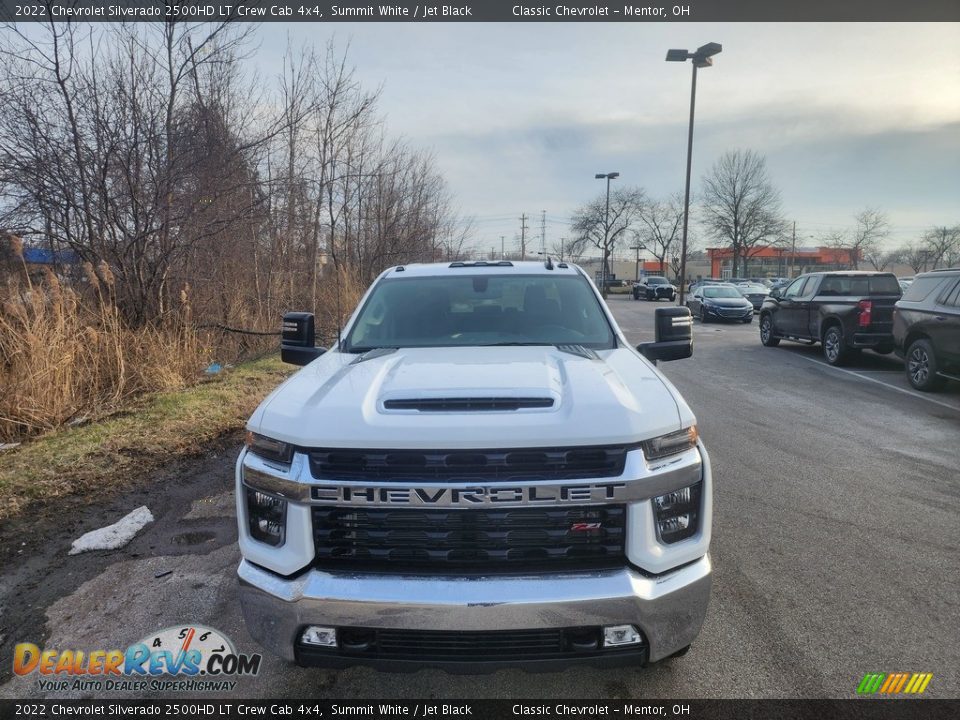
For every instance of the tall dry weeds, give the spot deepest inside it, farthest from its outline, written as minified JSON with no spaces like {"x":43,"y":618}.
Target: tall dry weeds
{"x":64,"y":357}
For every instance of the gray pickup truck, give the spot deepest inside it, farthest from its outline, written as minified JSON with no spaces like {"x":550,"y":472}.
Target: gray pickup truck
{"x":844,"y":311}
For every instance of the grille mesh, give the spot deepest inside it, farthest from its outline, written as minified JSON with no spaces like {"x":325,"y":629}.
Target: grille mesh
{"x":469,"y":465}
{"x":490,"y":540}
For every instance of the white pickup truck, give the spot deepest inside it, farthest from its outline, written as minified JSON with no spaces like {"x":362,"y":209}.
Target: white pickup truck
{"x":481,"y":472}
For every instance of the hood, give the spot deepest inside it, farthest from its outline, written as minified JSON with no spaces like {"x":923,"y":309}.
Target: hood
{"x":473,"y":397}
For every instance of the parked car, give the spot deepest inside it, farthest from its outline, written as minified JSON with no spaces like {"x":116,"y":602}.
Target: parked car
{"x":720,"y":302}
{"x":704,"y":281}
{"x":755,"y":293}
{"x":905,"y":282}
{"x":926,"y":329}
{"x":654,"y":288}
{"x":845,"y":311}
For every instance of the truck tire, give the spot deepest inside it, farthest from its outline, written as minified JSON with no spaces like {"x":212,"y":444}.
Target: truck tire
{"x":834,"y":348}
{"x":767,"y":338}
{"x":921,"y":366}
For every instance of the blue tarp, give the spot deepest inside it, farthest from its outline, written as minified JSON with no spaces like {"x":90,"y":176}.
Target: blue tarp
{"x":45,"y":256}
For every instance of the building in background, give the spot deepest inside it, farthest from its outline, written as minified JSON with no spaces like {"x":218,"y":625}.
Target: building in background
{"x":780,"y":262}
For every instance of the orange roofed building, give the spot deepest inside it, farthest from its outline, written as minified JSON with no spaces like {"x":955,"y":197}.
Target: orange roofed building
{"x":779,"y":262}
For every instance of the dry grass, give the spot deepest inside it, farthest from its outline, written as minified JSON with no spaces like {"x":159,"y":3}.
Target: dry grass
{"x":108,"y":454}
{"x":64,"y":356}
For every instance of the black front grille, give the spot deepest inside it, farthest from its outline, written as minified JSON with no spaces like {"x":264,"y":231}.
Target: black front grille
{"x":442,"y":647}
{"x":469,"y":645}
{"x":462,"y":404}
{"x":469,"y":465}
{"x":502,"y":540}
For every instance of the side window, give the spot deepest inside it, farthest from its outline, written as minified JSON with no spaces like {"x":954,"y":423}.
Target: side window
{"x":953,"y":297}
{"x":795,"y":287}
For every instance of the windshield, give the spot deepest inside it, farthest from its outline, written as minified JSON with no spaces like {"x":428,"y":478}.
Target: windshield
{"x":714,"y":291}
{"x":461,"y":310}
{"x":657,"y":281}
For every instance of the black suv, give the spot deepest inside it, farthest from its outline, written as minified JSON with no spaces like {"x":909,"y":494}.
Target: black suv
{"x":844,"y":311}
{"x":654,"y":288}
{"x":926,"y":328}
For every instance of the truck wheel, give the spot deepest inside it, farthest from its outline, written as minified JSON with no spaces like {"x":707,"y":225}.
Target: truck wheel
{"x":922,"y":366}
{"x":767,"y":337}
{"x":834,"y":349}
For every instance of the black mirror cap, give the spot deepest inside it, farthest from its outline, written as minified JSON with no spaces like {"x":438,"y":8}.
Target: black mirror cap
{"x":774,"y":293}
{"x":673,"y":324}
{"x":298,"y":343}
{"x":300,"y":355}
{"x":674,"y":335}
{"x":669,"y":350}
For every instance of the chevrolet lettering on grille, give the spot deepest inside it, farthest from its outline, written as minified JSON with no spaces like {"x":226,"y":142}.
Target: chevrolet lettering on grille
{"x":469,"y":496}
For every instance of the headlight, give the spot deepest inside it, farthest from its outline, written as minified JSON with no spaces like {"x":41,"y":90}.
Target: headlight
{"x":677,"y":514}
{"x":670,"y":444}
{"x":266,"y":517}
{"x":268,"y":448}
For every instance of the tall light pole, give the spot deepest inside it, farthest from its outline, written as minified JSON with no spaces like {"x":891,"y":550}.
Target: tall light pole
{"x":703,"y":57}
{"x":638,"y":248}
{"x":606,"y":230}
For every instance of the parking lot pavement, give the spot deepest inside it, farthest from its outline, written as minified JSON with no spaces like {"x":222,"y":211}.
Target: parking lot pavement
{"x":835,"y":545}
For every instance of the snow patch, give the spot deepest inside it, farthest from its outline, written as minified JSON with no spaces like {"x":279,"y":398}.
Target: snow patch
{"x":113,"y":536}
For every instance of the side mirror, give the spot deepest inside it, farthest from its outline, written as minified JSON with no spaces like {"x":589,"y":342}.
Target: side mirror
{"x":673,"y":333}
{"x":298,"y":346}
{"x":775,"y":293}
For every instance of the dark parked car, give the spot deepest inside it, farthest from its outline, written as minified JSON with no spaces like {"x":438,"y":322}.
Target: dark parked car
{"x":844,"y":311}
{"x":755,"y":293}
{"x":720,"y":302}
{"x":654,"y":288}
{"x":926,"y":328}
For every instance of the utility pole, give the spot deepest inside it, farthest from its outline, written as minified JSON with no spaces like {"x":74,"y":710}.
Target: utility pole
{"x":523,"y":236}
{"x":793,"y":251}
{"x":543,"y":233}
{"x":638,"y":248}
{"x":502,"y":247}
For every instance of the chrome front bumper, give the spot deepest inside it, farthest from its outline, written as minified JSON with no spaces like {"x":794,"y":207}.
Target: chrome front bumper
{"x":668,"y":608}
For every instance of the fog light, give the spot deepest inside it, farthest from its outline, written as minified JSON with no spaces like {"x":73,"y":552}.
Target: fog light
{"x":617,"y":635}
{"x":322,"y":636}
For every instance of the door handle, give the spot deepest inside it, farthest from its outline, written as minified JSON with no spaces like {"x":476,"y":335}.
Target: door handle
{"x":940,"y":317}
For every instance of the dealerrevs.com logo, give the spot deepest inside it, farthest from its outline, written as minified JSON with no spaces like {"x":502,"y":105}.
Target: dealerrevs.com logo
{"x":185,"y":658}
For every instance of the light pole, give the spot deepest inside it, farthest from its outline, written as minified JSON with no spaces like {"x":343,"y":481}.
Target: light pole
{"x":703,"y":57}
{"x":606,"y":230}
{"x":638,"y":248}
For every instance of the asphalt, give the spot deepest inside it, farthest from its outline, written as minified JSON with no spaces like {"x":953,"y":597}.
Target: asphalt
{"x":836,"y":546}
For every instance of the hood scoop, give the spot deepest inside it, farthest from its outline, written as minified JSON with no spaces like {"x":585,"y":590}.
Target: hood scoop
{"x":468,"y":404}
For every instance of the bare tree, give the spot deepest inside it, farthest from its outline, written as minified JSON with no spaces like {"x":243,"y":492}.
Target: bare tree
{"x":741,"y":206}
{"x":880,"y":259}
{"x":871,"y":229}
{"x":660,"y":224}
{"x":593,"y":225}
{"x":676,"y":254}
{"x":942,"y":244}
{"x":914,"y":255}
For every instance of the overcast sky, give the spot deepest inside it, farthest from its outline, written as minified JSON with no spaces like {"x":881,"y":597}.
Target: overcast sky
{"x":521,"y":116}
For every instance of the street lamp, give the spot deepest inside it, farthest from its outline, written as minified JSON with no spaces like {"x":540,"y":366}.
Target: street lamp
{"x":638,"y":248}
{"x":702,"y":58}
{"x":606,"y":229}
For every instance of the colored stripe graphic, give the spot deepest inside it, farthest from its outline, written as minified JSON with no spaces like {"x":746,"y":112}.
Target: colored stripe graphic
{"x":871,"y":683}
{"x":894,"y":683}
